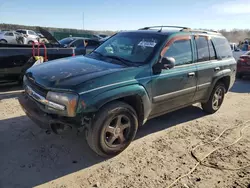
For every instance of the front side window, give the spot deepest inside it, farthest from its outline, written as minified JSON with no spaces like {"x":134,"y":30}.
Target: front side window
{"x":181,"y":51}
{"x":202,"y":49}
{"x":133,"y":47}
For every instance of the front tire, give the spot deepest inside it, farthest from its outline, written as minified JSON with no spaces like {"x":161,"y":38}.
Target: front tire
{"x":215,"y":100}
{"x":113,"y":129}
{"x":3,"y":41}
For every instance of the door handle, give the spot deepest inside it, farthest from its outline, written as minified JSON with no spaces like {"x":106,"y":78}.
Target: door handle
{"x":191,"y":74}
{"x":217,"y":68}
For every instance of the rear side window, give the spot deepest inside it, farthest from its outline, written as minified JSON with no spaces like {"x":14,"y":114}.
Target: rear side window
{"x":31,"y":33}
{"x":222,"y":47}
{"x":211,"y":50}
{"x":77,"y":43}
{"x":9,"y":34}
{"x":181,"y":51}
{"x":202,"y":48}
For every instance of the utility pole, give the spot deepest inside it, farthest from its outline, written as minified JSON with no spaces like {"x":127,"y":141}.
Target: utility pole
{"x":83,"y":20}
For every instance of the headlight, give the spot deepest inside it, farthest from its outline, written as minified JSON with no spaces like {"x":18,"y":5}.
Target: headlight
{"x":65,"y":102}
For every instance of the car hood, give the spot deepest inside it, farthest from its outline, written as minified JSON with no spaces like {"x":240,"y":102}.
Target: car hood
{"x":67,"y":73}
{"x":48,"y":36}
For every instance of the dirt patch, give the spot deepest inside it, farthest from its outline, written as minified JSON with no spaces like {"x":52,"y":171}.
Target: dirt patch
{"x":159,"y":155}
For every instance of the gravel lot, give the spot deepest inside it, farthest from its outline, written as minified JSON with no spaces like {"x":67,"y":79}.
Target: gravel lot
{"x":159,"y":155}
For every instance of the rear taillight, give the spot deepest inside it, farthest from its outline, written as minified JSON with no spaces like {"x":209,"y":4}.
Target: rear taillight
{"x":242,"y":60}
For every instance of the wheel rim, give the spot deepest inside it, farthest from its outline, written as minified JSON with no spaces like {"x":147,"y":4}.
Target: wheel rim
{"x":117,"y":131}
{"x":217,"y":98}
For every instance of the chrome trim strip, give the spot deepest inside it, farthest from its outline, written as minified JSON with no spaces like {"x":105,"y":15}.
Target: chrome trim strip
{"x":35,"y":95}
{"x":42,"y":100}
{"x":173,"y":94}
{"x":205,"y":85}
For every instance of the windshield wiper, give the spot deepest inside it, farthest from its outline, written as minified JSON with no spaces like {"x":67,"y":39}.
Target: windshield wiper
{"x":124,"y":61}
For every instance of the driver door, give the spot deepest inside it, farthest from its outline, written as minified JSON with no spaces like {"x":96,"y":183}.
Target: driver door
{"x":175,"y":88}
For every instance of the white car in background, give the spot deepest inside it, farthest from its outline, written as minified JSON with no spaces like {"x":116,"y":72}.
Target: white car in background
{"x":9,"y":37}
{"x":237,"y":52}
{"x":29,"y":36}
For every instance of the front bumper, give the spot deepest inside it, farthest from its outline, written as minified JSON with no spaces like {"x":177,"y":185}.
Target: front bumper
{"x":41,"y":118}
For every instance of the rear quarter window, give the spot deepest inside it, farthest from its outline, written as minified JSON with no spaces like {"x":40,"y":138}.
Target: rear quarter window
{"x":222,"y":47}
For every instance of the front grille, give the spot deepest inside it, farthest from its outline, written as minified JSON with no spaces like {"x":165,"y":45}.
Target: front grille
{"x":38,"y":89}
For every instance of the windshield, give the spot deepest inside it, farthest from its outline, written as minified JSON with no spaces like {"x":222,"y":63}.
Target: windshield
{"x":66,"y":41}
{"x":21,"y":31}
{"x":133,"y":47}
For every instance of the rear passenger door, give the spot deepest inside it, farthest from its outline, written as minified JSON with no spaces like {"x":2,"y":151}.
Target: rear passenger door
{"x":207,"y":65}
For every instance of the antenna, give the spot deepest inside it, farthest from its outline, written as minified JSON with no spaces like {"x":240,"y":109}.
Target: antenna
{"x":83,"y":20}
{"x":160,"y":29}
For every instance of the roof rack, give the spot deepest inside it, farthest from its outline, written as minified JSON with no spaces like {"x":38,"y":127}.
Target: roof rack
{"x":169,"y":26}
{"x":200,"y":30}
{"x":187,"y":29}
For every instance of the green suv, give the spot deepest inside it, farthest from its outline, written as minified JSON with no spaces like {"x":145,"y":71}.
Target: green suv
{"x":130,"y":78}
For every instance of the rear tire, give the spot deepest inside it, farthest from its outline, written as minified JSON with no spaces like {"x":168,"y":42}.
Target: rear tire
{"x":113,"y":129}
{"x":215,"y":100}
{"x":30,"y":42}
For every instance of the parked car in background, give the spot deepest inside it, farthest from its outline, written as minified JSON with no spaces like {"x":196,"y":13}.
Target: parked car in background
{"x":11,"y":37}
{"x":243,"y":65}
{"x":103,"y":35}
{"x":104,"y":39}
{"x":237,"y":52}
{"x":30,"y":36}
{"x":15,"y":59}
{"x":80,"y":42}
{"x":132,"y":77}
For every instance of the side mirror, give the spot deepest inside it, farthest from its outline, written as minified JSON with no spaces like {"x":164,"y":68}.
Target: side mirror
{"x":237,"y":50}
{"x":163,"y":63}
{"x":167,"y":62}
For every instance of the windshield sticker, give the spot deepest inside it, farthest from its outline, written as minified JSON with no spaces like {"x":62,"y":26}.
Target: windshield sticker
{"x":147,"y":44}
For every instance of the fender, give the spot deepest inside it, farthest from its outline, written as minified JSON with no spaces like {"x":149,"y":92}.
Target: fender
{"x":218,"y":76}
{"x":101,"y":99}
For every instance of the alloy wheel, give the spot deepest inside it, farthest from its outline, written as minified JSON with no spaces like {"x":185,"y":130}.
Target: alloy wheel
{"x":217,"y":98}
{"x":117,"y":131}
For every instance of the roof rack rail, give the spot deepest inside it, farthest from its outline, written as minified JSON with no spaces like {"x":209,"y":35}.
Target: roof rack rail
{"x":200,"y":30}
{"x":164,"y":26}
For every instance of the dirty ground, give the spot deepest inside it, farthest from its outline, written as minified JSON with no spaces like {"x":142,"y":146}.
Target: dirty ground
{"x":159,"y":154}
